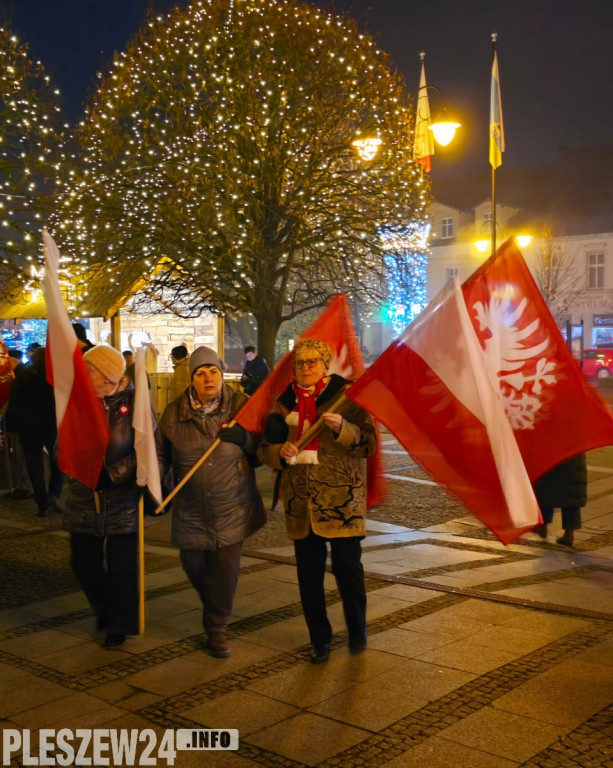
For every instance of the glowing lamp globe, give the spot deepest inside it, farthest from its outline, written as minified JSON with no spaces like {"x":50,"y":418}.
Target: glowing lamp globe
{"x":444,"y":131}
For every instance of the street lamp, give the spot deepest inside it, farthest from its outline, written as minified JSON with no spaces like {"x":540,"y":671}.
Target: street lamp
{"x":367,"y":147}
{"x":367,"y":141}
{"x":483,"y":245}
{"x":443,"y":127}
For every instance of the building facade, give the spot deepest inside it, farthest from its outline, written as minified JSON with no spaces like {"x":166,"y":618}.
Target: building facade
{"x":567,"y":211}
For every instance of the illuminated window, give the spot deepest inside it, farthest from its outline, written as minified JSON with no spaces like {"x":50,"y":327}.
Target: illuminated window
{"x":595,"y":271}
{"x":446,"y":228}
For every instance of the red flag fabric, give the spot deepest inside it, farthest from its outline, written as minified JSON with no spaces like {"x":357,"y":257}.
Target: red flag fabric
{"x":334,"y":327}
{"x":82,"y":427}
{"x":554,"y":412}
{"x":431,"y":389}
{"x":6,"y":374}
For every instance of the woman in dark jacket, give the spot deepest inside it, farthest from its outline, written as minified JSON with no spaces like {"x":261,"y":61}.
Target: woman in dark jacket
{"x":103,"y":524}
{"x":220,"y":505}
{"x":564,"y":486}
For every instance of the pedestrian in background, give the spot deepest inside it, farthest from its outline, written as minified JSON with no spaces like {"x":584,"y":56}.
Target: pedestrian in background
{"x":323,"y":490}
{"x":128,"y":356}
{"x":563,"y":487}
{"x":31,"y":414}
{"x":220,"y":505}
{"x":21,"y":487}
{"x":180,"y":379}
{"x":31,"y":350}
{"x":103,"y":523}
{"x":255,"y":370}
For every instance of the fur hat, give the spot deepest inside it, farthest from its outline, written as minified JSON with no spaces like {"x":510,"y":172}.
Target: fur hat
{"x":204,"y":356}
{"x":107,"y":360}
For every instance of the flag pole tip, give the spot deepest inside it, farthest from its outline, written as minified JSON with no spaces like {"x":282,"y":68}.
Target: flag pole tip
{"x":494,"y":36}
{"x":422,"y":55}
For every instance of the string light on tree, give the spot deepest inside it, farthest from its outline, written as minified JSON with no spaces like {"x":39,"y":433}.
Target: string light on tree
{"x":407,"y":263}
{"x":31,"y":142}
{"x":221,"y":140}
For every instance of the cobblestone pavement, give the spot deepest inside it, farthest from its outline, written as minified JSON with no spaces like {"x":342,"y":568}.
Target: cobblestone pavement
{"x":479,"y":655}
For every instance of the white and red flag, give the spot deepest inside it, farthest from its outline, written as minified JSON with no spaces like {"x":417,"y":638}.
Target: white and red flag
{"x":431,"y":389}
{"x":482,"y":390}
{"x":82,"y":427}
{"x":496,"y":124}
{"x":335,"y":328}
{"x":147,"y":467}
{"x":554,"y":412}
{"x":423,"y":143}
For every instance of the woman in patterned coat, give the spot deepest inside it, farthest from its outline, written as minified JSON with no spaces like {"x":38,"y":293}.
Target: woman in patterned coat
{"x":323,"y":490}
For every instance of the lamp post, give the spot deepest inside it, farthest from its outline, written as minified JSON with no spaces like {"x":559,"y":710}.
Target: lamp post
{"x":442,"y":129}
{"x":444,"y":126}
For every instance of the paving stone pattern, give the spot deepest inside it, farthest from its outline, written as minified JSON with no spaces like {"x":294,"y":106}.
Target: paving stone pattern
{"x":435,"y":579}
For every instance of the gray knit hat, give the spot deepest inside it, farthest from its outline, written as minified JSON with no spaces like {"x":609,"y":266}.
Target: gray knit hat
{"x":204,"y":356}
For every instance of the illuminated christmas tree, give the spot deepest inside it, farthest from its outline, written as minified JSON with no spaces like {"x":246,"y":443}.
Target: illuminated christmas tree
{"x":217,"y":158}
{"x":30,"y":146}
{"x":407,"y":263}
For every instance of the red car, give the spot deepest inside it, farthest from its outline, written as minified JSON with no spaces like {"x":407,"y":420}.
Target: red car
{"x":597,"y":363}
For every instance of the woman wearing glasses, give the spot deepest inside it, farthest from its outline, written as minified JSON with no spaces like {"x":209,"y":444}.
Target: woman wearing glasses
{"x":103,"y":524}
{"x":323,"y":490}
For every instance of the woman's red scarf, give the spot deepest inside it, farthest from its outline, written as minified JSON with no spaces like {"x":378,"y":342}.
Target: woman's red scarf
{"x":307,"y":410}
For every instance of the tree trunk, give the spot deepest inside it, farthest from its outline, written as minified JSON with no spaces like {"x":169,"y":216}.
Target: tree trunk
{"x":268,"y":327}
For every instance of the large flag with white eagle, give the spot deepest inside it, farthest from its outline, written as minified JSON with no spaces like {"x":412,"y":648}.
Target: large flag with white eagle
{"x":82,"y":428}
{"x":482,"y":390}
{"x":552,"y":409}
{"x":335,"y":328}
{"x":431,"y":389}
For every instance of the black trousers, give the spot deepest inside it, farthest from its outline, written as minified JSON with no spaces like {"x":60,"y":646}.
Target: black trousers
{"x":347,"y":568}
{"x":214,"y":576}
{"x":571,"y":517}
{"x":109,"y":577}
{"x":35,"y":463}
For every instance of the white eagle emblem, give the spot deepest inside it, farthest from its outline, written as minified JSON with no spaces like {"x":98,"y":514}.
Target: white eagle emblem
{"x":518,"y":369}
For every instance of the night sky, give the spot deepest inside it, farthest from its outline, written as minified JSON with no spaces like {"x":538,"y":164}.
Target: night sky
{"x":555,"y":57}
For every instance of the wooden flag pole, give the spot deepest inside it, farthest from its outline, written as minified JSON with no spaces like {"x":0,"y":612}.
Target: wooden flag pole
{"x":192,"y":471}
{"x":141,"y":564}
{"x":316,"y":428}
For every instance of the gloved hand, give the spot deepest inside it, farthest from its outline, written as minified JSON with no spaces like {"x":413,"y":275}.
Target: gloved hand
{"x":235,"y":434}
{"x":104,"y":481}
{"x":276,"y":430}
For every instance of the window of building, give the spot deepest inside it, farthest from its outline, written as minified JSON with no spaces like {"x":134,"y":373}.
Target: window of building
{"x":446,"y":228}
{"x":595,"y":271}
{"x":450,"y":273}
{"x":487,"y":223}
